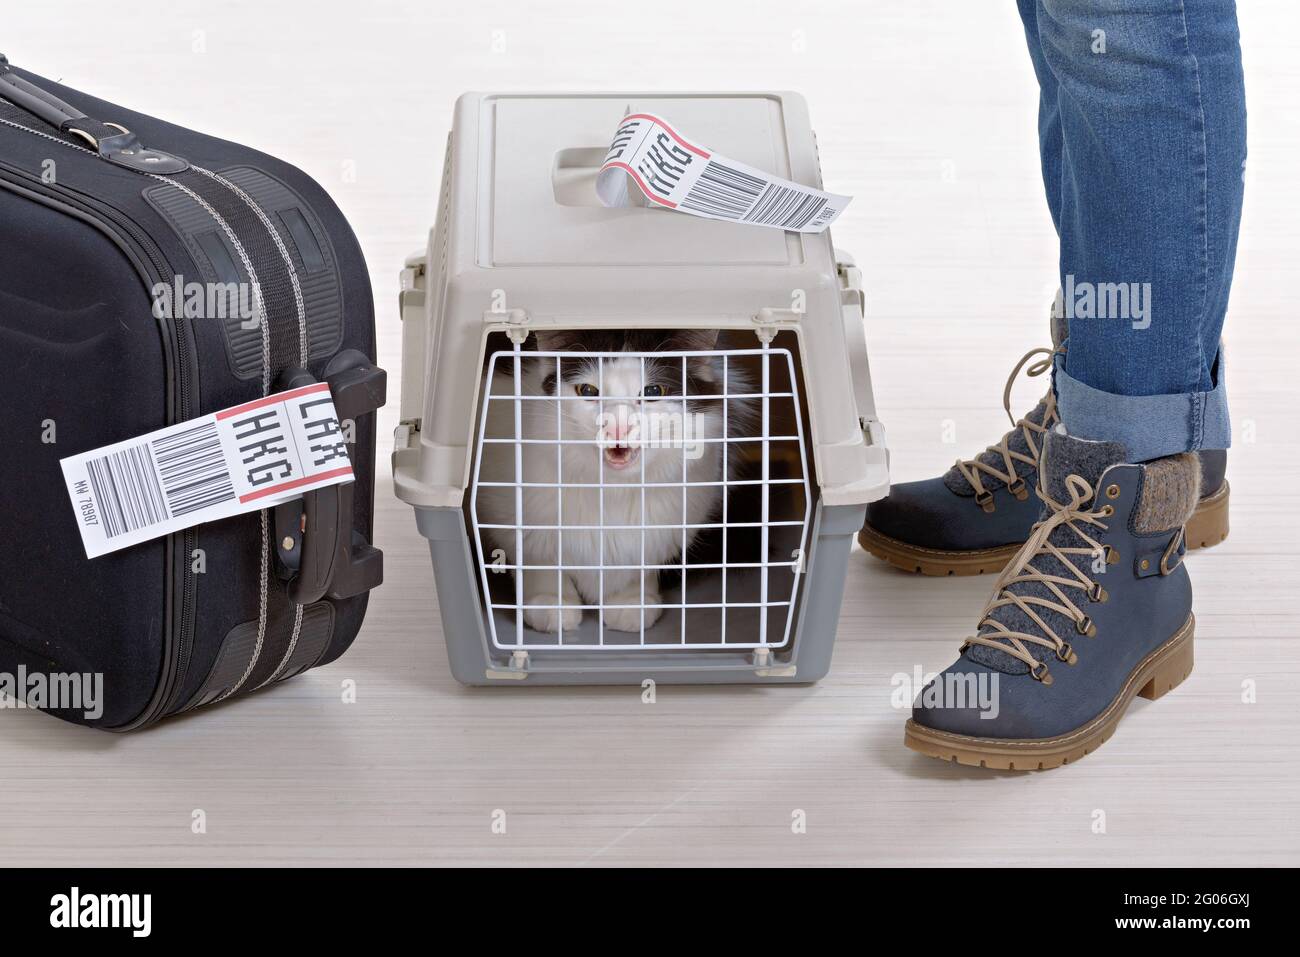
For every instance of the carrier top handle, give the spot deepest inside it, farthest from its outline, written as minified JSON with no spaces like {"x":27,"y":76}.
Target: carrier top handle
{"x":112,"y":141}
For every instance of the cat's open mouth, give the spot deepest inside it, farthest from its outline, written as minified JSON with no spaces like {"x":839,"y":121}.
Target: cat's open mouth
{"x":621,"y":456}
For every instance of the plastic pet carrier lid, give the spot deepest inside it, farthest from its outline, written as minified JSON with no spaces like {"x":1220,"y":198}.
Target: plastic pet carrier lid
{"x":538,"y":161}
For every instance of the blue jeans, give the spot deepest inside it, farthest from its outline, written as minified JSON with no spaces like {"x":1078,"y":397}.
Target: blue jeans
{"x":1142,"y":128}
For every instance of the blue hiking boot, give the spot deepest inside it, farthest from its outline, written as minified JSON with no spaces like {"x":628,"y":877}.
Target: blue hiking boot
{"x":1095,"y":607}
{"x":974,"y":518}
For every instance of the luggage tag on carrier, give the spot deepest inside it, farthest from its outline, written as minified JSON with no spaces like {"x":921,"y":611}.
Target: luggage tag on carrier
{"x":676,"y":173}
{"x":243,"y":459}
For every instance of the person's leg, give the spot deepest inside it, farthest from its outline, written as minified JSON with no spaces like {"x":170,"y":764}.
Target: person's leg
{"x":974,"y":518}
{"x":1152,"y":119}
{"x":1096,"y":607}
{"x":1049,"y":111}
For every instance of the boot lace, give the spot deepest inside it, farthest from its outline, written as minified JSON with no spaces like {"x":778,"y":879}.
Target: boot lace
{"x":1076,"y":516}
{"x":971,"y":469}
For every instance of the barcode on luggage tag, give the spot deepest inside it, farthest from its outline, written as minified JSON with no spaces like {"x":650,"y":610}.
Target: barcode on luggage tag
{"x":674,"y":172}
{"x":730,"y":193}
{"x":147,"y":484}
{"x":724,"y":191}
{"x":238,"y":460}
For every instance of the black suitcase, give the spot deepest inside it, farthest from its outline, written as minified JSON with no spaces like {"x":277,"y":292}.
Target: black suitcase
{"x":100,"y":208}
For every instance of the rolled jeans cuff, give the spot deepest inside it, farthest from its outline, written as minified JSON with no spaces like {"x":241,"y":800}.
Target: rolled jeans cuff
{"x":1149,"y":426}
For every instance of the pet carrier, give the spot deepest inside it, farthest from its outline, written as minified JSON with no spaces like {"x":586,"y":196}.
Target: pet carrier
{"x":639,"y":442}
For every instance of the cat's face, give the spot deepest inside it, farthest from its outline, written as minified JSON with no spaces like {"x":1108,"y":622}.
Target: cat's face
{"x":639,"y":408}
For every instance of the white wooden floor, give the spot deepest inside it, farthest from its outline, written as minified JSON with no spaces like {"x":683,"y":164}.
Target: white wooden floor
{"x":925,"y":111}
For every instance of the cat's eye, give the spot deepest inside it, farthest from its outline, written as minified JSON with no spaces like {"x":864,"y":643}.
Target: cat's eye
{"x":586,"y":390}
{"x":653,"y":392}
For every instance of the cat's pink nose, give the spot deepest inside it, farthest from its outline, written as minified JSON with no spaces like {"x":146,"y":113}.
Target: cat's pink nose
{"x":620,"y":427}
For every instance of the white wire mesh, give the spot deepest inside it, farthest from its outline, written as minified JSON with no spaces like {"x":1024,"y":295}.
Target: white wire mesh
{"x":714,"y":539}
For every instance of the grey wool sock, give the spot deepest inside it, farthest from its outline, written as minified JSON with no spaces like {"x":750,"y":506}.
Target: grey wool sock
{"x":1171,"y":487}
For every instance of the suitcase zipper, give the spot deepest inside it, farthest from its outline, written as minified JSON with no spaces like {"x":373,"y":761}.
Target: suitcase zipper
{"x":149,"y":260}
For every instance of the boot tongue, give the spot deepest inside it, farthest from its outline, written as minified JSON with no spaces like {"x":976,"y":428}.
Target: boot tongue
{"x":957,"y":482}
{"x":1065,"y":455}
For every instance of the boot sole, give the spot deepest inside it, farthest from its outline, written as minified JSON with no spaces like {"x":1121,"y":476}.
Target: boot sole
{"x":1155,"y":676}
{"x":1208,"y":526}
{"x":935,"y":561}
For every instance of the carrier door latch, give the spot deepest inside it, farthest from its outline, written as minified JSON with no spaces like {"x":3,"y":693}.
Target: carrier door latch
{"x":515,"y":321}
{"x":517,"y":670}
{"x":766,"y":666}
{"x":768,"y":321}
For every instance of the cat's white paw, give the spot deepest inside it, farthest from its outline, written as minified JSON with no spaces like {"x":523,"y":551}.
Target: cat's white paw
{"x":629,"y":619}
{"x":550,"y":619}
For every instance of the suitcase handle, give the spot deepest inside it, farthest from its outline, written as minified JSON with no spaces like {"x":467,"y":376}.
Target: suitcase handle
{"x":112,"y":141}
{"x":315,"y":539}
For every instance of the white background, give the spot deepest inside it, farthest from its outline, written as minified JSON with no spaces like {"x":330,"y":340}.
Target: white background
{"x":925,"y":111}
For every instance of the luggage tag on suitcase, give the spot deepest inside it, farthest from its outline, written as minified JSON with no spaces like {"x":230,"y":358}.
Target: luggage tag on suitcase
{"x":676,"y":173}
{"x":243,"y":459}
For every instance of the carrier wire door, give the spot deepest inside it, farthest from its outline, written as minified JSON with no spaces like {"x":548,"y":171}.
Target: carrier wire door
{"x":737,"y":571}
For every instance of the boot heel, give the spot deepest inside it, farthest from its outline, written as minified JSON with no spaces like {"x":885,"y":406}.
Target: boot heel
{"x":1209,"y":523}
{"x":1170,"y":670}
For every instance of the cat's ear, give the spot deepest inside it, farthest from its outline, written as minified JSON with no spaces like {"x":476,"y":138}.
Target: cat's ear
{"x":559,"y":340}
{"x":695,"y":340}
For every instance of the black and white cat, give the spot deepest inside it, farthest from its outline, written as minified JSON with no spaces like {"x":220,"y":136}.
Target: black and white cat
{"x":637,"y":456}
